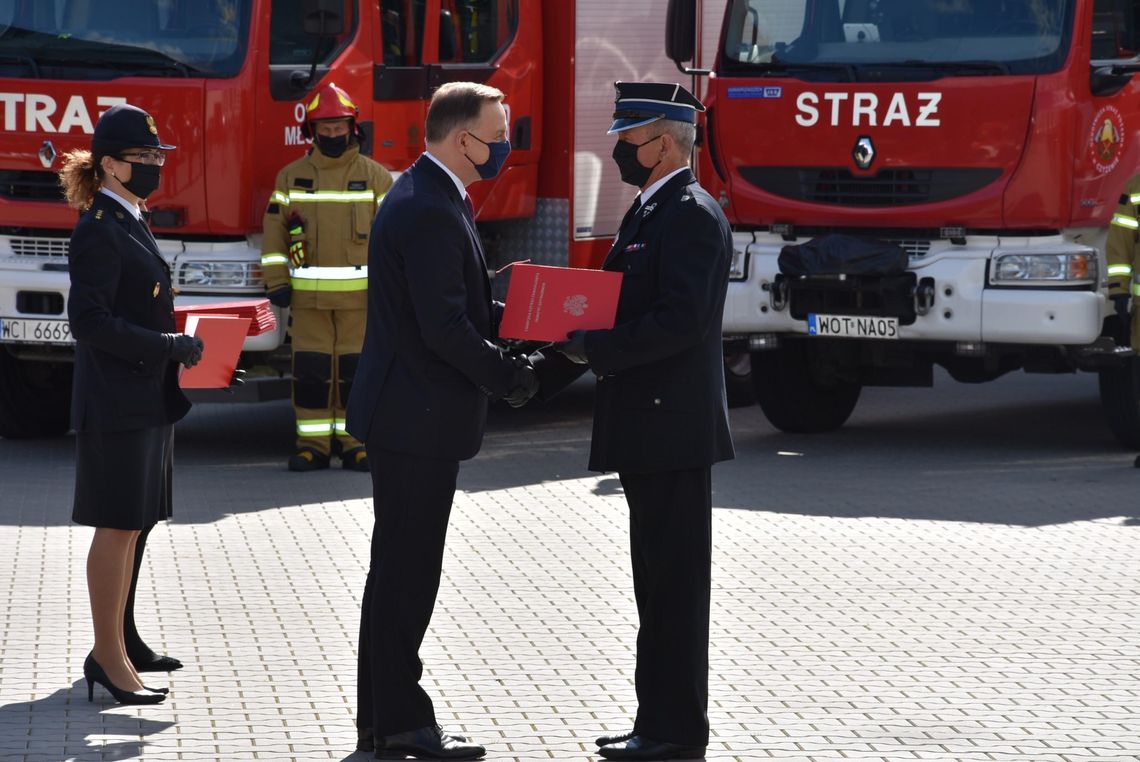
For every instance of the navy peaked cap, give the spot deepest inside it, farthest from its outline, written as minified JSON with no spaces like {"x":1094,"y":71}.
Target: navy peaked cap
{"x":638,"y":103}
{"x":125,"y":126}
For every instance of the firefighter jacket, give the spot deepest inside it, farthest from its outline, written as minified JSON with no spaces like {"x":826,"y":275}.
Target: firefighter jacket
{"x":1123,"y":235}
{"x":316,"y":229}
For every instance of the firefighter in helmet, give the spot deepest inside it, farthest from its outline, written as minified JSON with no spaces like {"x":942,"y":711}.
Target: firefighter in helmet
{"x":1123,"y":252}
{"x":314,"y":254}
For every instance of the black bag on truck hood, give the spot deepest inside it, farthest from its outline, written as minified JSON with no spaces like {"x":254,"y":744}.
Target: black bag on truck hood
{"x":835,"y":254}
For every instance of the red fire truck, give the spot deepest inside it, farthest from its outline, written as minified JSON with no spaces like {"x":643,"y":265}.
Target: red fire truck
{"x":224,"y":79}
{"x":989,"y":139}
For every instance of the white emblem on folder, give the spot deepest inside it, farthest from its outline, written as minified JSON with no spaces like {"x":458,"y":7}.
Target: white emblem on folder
{"x":575,"y":305}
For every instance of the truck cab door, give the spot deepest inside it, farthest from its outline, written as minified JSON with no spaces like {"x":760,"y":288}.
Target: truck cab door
{"x":427,"y":43}
{"x":400,"y":81}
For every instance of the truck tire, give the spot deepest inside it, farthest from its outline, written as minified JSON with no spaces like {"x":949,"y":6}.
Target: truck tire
{"x":35,"y":397}
{"x":1120,"y":399}
{"x":794,"y":397}
{"x":738,"y":379}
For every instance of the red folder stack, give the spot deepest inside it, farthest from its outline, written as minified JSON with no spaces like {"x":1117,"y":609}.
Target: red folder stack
{"x":261,"y":319}
{"x":223,"y":337}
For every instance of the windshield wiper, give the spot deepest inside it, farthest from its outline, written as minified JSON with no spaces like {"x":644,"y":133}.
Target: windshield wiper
{"x":792,"y":67}
{"x":979,"y":67}
{"x":23,"y":61}
{"x":120,"y":56}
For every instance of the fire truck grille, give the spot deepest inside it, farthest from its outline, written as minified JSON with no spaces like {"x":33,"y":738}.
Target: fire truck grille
{"x":39,"y":247}
{"x":914,"y":248}
{"x":888,"y":187}
{"x":25,"y":185}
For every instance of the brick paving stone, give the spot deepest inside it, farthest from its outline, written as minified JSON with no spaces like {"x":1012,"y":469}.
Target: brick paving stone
{"x":981,"y":608}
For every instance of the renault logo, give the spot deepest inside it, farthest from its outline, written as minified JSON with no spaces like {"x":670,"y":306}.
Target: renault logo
{"x":864,"y":152}
{"x":47,"y":154}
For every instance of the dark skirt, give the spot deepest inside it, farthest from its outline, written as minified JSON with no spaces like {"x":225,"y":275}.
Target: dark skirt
{"x":122,"y":478}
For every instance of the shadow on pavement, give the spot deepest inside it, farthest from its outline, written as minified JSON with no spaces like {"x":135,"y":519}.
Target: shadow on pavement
{"x":1024,"y":450}
{"x":55,"y":725}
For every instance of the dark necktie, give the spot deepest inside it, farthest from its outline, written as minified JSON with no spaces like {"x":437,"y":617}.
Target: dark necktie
{"x":629,"y":215}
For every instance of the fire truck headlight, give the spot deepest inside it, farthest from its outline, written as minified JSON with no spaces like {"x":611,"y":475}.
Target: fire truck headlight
{"x":219,"y":275}
{"x":1071,"y":268}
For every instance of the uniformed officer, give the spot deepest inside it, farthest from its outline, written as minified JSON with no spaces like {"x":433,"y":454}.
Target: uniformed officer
{"x":660,"y":415}
{"x":125,"y":396}
{"x":1123,"y":255}
{"x":314,"y":254}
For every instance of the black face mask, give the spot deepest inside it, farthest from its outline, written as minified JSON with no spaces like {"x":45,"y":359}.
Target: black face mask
{"x":332,"y":147}
{"x":144,"y":179}
{"x":632,"y":170}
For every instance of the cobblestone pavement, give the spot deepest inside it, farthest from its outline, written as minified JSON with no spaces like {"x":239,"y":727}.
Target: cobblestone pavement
{"x":953,"y":576}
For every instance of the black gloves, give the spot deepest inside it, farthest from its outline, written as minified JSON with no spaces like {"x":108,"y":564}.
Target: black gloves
{"x":525,"y":383}
{"x":574,"y":348}
{"x":281,"y":296}
{"x":1121,"y":302}
{"x":184,"y":349}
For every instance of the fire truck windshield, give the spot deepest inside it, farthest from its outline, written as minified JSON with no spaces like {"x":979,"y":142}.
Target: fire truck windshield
{"x":103,"y":39}
{"x":895,"y":39}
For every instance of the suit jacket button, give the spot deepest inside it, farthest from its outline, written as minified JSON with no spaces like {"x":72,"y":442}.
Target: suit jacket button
{"x":656,"y":400}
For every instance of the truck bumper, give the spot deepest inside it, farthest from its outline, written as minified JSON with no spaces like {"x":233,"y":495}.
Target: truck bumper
{"x":965,"y":308}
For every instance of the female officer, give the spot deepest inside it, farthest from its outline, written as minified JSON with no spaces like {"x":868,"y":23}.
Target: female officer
{"x":126,"y":396}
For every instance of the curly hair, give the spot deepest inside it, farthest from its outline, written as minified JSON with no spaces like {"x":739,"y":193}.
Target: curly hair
{"x":80,"y":177}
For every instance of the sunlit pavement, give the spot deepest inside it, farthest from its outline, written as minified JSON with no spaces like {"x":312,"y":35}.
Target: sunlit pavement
{"x":953,"y":576}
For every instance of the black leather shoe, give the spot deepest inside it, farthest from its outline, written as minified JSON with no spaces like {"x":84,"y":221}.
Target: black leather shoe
{"x":615,"y":738}
{"x":640,"y":747}
{"x":426,"y":743}
{"x":365,"y":741}
{"x":155,"y":663}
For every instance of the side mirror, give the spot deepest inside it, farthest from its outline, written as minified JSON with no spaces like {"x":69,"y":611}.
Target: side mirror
{"x":322,"y":18}
{"x":681,"y":33}
{"x":680,"y":30}
{"x":1111,"y":79}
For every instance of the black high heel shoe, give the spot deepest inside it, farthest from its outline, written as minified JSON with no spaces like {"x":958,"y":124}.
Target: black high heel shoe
{"x":95,"y":674}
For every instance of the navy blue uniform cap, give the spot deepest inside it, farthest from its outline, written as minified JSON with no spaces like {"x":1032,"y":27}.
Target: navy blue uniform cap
{"x":638,"y":103}
{"x":125,"y":126}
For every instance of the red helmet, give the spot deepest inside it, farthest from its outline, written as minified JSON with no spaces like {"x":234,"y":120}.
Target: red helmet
{"x":329,"y":102}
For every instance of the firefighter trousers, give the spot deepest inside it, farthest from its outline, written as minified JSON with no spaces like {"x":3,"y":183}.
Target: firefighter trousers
{"x":326,"y":350}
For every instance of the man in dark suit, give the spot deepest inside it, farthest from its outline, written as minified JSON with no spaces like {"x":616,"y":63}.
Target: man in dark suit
{"x":427,"y":370}
{"x":660,"y":416}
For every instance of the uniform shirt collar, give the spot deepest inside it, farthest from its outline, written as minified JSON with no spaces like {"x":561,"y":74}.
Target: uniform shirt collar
{"x":648,"y":192}
{"x":134,"y":210}
{"x":454,"y":177}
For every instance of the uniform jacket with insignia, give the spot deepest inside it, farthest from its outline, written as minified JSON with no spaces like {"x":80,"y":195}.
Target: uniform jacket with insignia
{"x":336,"y":200}
{"x":119,"y":306}
{"x":660,"y":401}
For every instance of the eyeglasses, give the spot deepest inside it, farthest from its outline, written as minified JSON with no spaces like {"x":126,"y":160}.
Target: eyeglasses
{"x":144,"y":157}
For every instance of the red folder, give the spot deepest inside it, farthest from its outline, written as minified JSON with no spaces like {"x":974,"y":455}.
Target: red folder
{"x":223,"y":336}
{"x":257,"y":310}
{"x":546,"y":303}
